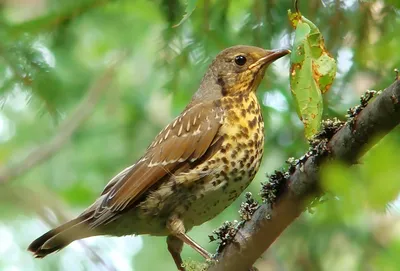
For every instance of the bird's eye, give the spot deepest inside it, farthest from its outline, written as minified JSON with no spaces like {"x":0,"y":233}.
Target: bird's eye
{"x":240,"y":60}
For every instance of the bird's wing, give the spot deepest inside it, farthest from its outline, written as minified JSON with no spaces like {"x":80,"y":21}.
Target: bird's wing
{"x":184,"y":141}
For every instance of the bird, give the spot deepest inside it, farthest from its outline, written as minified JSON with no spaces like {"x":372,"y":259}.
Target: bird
{"x":195,"y":167}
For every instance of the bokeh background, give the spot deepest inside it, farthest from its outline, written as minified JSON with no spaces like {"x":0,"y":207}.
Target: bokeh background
{"x":52,"y":51}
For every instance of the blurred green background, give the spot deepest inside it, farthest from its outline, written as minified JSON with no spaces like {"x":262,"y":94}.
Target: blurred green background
{"x":51,"y":52}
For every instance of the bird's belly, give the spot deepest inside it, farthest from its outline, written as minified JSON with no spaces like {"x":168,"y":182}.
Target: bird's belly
{"x":212,"y":200}
{"x":238,"y":162}
{"x":223,"y":188}
{"x":201,"y":201}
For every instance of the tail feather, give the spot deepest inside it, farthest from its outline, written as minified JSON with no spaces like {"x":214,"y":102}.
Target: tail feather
{"x":61,"y":236}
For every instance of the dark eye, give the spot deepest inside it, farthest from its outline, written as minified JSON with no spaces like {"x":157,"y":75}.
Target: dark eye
{"x":240,"y":60}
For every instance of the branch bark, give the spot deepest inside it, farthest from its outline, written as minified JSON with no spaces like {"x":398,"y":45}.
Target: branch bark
{"x":347,"y":145}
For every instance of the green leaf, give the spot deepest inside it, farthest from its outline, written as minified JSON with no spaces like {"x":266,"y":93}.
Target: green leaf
{"x":190,"y":7}
{"x":312,"y":72}
{"x":381,"y":173}
{"x":371,"y":185}
{"x":345,"y":184}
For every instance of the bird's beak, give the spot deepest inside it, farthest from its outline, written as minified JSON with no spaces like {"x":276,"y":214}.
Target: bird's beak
{"x":271,"y":56}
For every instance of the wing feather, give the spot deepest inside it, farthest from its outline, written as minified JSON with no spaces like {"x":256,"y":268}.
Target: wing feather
{"x":182,"y":142}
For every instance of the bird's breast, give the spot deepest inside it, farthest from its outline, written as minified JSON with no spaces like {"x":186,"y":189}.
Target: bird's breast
{"x":243,"y":145}
{"x":235,"y":164}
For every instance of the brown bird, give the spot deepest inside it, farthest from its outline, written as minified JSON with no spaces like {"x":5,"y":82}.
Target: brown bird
{"x":196,"y":167}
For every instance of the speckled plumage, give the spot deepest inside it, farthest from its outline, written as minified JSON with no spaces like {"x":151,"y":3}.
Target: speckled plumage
{"x":195,"y":167}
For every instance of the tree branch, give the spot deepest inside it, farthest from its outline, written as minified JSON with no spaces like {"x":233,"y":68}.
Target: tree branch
{"x":67,"y":128}
{"x":347,"y":145}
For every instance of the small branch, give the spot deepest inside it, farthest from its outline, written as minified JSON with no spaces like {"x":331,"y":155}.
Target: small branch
{"x":31,"y":200}
{"x":347,"y":145}
{"x":206,"y":16}
{"x":53,"y":20}
{"x":68,"y":127}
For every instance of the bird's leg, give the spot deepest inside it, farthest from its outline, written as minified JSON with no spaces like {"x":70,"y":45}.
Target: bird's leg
{"x":175,"y":246}
{"x":189,"y":241}
{"x":177,"y":229}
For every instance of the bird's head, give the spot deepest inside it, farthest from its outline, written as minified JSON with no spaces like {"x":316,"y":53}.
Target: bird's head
{"x":236,"y":70}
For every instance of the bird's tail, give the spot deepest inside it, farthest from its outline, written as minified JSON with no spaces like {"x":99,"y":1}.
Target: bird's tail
{"x":61,"y":236}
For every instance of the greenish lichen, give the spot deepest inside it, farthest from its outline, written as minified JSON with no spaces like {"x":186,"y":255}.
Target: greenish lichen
{"x":191,"y":265}
{"x":248,"y":207}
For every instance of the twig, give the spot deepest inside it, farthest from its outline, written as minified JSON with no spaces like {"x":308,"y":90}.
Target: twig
{"x":36,"y":203}
{"x":53,"y":20}
{"x":80,"y":114}
{"x":347,"y":145}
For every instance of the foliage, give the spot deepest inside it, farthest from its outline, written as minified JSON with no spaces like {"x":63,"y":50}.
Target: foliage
{"x":312,"y":72}
{"x":50,"y":53}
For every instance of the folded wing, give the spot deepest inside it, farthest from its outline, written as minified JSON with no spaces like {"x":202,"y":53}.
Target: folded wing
{"x":183,"y":142}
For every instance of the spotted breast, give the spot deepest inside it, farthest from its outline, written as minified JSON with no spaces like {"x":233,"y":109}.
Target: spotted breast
{"x":237,"y":161}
